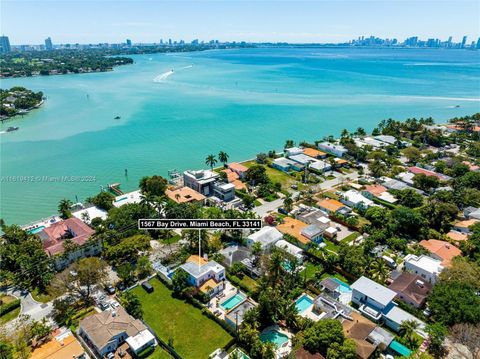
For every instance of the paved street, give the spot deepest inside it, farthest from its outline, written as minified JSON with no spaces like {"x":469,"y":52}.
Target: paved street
{"x":29,"y":306}
{"x":268,"y":207}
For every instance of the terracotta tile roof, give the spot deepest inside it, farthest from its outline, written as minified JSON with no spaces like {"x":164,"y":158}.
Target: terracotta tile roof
{"x":441,"y":249}
{"x":237,"y":167}
{"x":466,"y":224}
{"x":417,"y":170}
{"x":313,"y":152}
{"x":331,"y":205}
{"x":358,"y":329}
{"x":340,"y":161}
{"x":184,"y":194}
{"x":208,"y":285}
{"x":294,"y":227}
{"x":302,"y":353}
{"x":471,"y":166}
{"x":54,"y":236}
{"x":102,"y":327}
{"x":375,"y":189}
{"x":459,"y":128}
{"x":457,"y":236}
{"x":406,"y":284}
{"x":197,"y":260}
{"x":67,"y":347}
{"x":239,"y":184}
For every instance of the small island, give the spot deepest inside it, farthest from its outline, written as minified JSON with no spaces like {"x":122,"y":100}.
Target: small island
{"x":18,"y":101}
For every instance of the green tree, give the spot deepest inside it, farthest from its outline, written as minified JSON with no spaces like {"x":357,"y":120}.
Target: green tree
{"x":153,"y":185}
{"x":413,"y":154}
{"x":345,"y":351}
{"x":103,"y":200}
{"x":132,"y":304}
{"x":436,"y":335}
{"x":289,"y":144}
{"x":425,"y":183}
{"x":223,"y":157}
{"x":257,"y":174}
{"x":180,"y":281}
{"x":322,"y":335}
{"x":407,"y":332}
{"x":409,"y":198}
{"x":248,"y":201}
{"x":126,"y":273}
{"x":210,"y":161}
{"x":288,"y":202}
{"x":64,"y":208}
{"x":144,"y":267}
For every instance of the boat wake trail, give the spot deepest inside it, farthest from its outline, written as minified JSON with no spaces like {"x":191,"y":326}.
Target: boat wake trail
{"x":163,"y":77}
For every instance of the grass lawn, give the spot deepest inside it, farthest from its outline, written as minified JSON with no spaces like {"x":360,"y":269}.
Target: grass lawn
{"x":193,"y":334}
{"x":335,"y":275}
{"x":249,"y":282}
{"x":9,"y":316}
{"x":159,"y":353}
{"x":310,"y":270}
{"x":276,"y":176}
{"x":331,"y":246}
{"x":351,"y":237}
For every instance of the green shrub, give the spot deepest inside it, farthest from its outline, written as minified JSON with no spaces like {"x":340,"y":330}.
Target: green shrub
{"x":7,"y":308}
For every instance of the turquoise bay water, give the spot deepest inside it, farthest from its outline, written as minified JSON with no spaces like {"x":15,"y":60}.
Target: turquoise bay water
{"x":239,"y":101}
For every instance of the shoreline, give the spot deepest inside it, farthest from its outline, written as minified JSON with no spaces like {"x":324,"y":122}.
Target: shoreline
{"x":27,"y":111}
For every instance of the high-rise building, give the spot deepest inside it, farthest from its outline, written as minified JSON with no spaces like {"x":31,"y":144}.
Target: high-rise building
{"x":129,"y":43}
{"x":48,"y":44}
{"x":464,"y":41}
{"x":5,"y":45}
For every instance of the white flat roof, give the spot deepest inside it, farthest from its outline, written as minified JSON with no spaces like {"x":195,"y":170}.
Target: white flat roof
{"x":290,"y":248}
{"x":266,"y":235}
{"x":140,"y":340}
{"x":428,"y":264}
{"x":131,"y":197}
{"x":373,"y":290}
{"x":93,"y":212}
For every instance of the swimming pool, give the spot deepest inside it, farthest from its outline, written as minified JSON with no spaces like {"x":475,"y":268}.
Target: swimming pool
{"x":303,"y":303}
{"x":232,"y":302}
{"x":400,"y":348}
{"x":36,"y":230}
{"x":344,"y":287}
{"x":275,"y":337}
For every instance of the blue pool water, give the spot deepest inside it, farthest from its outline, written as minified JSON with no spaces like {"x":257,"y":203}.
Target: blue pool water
{"x":400,"y":348}
{"x":232,"y":302}
{"x":274,"y":337}
{"x":303,"y":303}
{"x":344,"y":287}
{"x":36,"y":230}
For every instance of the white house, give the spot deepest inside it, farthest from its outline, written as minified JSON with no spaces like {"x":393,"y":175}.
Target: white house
{"x":87,"y":214}
{"x":267,"y":236}
{"x":424,"y":266}
{"x":290,"y":248}
{"x":355,"y":199}
{"x":334,"y":149}
{"x":376,"y":303}
{"x":292,"y":151}
{"x":206,"y":276}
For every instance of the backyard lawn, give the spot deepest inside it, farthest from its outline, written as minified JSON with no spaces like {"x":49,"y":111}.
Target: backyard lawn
{"x":192,"y":334}
{"x":276,"y":176}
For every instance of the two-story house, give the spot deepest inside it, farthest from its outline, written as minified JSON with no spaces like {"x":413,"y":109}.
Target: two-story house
{"x":207,"y":276}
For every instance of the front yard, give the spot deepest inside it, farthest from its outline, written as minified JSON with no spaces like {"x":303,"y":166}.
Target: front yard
{"x":178,"y":323}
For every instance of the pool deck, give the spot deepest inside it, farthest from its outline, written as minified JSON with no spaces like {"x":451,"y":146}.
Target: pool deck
{"x":214,"y":304}
{"x":286,"y":348}
{"x":307,"y":313}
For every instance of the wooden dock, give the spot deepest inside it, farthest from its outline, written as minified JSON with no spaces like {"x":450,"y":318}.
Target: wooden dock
{"x":115,"y":188}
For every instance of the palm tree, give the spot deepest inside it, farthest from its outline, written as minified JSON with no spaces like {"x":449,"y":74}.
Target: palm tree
{"x":332,"y":162}
{"x":345,"y":133}
{"x":64,"y":207}
{"x":378,"y":270}
{"x":210,"y":161}
{"x":223,"y":157}
{"x":407,"y":332}
{"x":289,"y":143}
{"x":360,"y":132}
{"x":288,"y":202}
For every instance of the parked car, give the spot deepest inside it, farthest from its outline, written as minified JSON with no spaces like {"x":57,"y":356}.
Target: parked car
{"x":120,"y":286}
{"x":148,"y":287}
{"x":282,"y":211}
{"x":110,"y":289}
{"x":114,"y":304}
{"x":103,"y":305}
{"x":111,"y":355}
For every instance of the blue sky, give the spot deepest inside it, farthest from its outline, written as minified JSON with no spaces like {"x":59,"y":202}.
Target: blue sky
{"x":70,"y":21}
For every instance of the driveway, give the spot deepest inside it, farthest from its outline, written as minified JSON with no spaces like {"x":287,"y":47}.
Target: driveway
{"x":29,"y":306}
{"x":268,"y":207}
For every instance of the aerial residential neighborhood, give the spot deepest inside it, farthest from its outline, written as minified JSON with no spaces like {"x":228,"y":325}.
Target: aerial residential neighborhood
{"x":371,"y":243}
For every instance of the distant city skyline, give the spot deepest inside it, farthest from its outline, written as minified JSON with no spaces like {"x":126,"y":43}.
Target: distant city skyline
{"x":28,"y":22}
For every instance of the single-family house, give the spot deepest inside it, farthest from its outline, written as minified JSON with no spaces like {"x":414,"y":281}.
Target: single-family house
{"x":320,"y":166}
{"x":207,"y":276}
{"x":418,"y":170}
{"x":62,"y":345}
{"x":441,"y":250}
{"x":389,"y":140}
{"x":457,"y":237}
{"x":238,"y":168}
{"x":291,"y":249}
{"x":394,"y":184}
{"x":224,"y":191}
{"x":426,"y":267}
{"x":292,"y":151}
{"x":333,"y":206}
{"x":411,"y":289}
{"x":471,"y":212}
{"x":379,"y":192}
{"x":234,"y":254}
{"x":285,"y":165}
{"x":235,"y":316}
{"x":106,"y":331}
{"x":376,"y":303}
{"x":355,"y":199}
{"x":87,"y":214}
{"x":128,"y":198}
{"x":295,"y":228}
{"x":334,"y":149}
{"x":266,"y":236}
{"x":201,"y":181}
{"x":464,"y":226}
{"x":184,"y":195}
{"x":358,"y":328}
{"x":74,"y":230}
{"x":302,"y":159}
{"x":312,"y":152}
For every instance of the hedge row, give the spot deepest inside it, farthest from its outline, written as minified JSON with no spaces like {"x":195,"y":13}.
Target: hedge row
{"x":7,"y":308}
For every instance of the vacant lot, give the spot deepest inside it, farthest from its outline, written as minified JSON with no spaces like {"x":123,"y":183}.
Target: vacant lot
{"x":183,"y":326}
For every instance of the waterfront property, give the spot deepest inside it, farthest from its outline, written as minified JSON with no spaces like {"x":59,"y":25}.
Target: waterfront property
{"x":207,"y":276}
{"x":201,"y":181}
{"x":89,"y":213}
{"x":193,"y":334}
{"x":184,"y":195}
{"x":334,"y":149}
{"x":285,"y":165}
{"x":54,"y":237}
{"x":128,"y":198}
